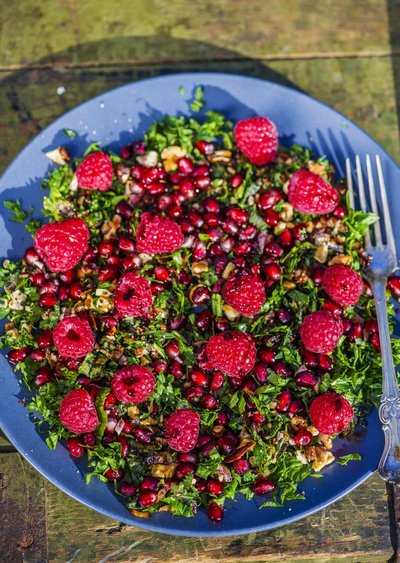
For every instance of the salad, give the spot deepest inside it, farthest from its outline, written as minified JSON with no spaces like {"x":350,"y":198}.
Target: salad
{"x":193,"y":319}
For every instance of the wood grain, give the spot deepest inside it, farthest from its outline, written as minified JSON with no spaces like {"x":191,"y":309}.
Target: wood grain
{"x":252,"y":29}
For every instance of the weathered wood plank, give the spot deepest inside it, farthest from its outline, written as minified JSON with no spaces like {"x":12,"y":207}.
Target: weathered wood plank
{"x":22,"y":509}
{"x":280,"y":28}
{"x":355,"y":528}
{"x":361,"y":88}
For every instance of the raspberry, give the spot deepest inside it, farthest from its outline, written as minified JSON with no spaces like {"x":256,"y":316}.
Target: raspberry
{"x":331,"y":413}
{"x":244,"y":292}
{"x":182,"y":430}
{"x":257,"y":138}
{"x":342,"y":284}
{"x":157,"y":234}
{"x":77,"y":412}
{"x":232,"y":352}
{"x":309,"y":193}
{"x":61,"y":245}
{"x":73,"y":337}
{"x":133,"y":384}
{"x":95,"y":172}
{"x":132,"y":296}
{"x":321,"y":331}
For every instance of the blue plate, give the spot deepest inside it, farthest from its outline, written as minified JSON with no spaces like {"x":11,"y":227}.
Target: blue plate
{"x":116,"y":118}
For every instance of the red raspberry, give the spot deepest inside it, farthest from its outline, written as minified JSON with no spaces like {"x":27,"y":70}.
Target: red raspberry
{"x":244,"y":292}
{"x":132,"y":296}
{"x":133,"y":384}
{"x":309,"y":193}
{"x":61,"y":245}
{"x":73,"y":337}
{"x":157,"y":234}
{"x":342,"y":284}
{"x":95,"y":172}
{"x":321,"y":331}
{"x":331,"y":413}
{"x":232,"y":352}
{"x":77,"y":412}
{"x":182,"y":430}
{"x":257,"y":138}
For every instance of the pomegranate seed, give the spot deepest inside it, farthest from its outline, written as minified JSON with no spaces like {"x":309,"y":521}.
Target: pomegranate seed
{"x":90,"y":255}
{"x":212,"y":220}
{"x":138,"y":147}
{"x":394,"y":286}
{"x":217,"y":380}
{"x":131,"y":262}
{"x":195,"y":218}
{"x":238,"y":215}
{"x":124,"y":210}
{"x":147,"y":499}
{"x":124,"y":445}
{"x":126,"y":244}
{"x":37,"y":355}
{"x":148,"y":484}
{"x":241,"y":466}
{"x":227,"y":443}
{"x":260,"y":372}
{"x":45,"y":339}
{"x":127,"y":489}
{"x":175,"y":323}
{"x":371,"y":326}
{"x":63,"y":293}
{"x":193,"y":394}
{"x":198,"y":377}
{"x":200,"y":251}
{"x":283,"y":401}
{"x":281,"y":369}
{"x":37,"y":278}
{"x":177,"y":198}
{"x":143,"y":435}
{"x":201,"y":485}
{"x":271,"y":217}
{"x":90,"y":439}
{"x":187,"y":188}
{"x":107,"y":322}
{"x":47,"y":301}
{"x":274,"y":249}
{"x":375,"y":342}
{"x":229,"y":226}
{"x":75,"y":448}
{"x":286,"y":238}
{"x":340,"y":212}
{"x":242,"y":249}
{"x":223,"y":418}
{"x":204,"y":320}
{"x":215,"y":487}
{"x":205,"y":147}
{"x":172,"y":348}
{"x":296,"y":406}
{"x":185,"y":165}
{"x":162,"y":273}
{"x":269,"y":199}
{"x":106,"y":248}
{"x":126,"y":152}
{"x":236,"y":181}
{"x":202,"y":440}
{"x":258,"y":418}
{"x":300,"y":232}
{"x":303,"y":438}
{"x":31,"y":257}
{"x":201,"y":170}
{"x":325,"y":363}
{"x":175,"y":212}
{"x":108,"y":273}
{"x":43,"y":376}
{"x":355,"y":332}
{"x":76,"y":290}
{"x":202,"y":182}
{"x":184,"y":469}
{"x":215,"y":512}
{"x":156,"y":287}
{"x":283,"y":316}
{"x":347,"y":325}
{"x":200,"y":295}
{"x":184,"y":278}
{"x":159,"y":366}
{"x":309,"y":358}
{"x":49,"y":287}
{"x":317,"y":275}
{"x":249,"y":386}
{"x":267,"y":356}
{"x":221,"y":324}
{"x":176,"y":368}
{"x":306,"y":378}
{"x":262,"y":486}
{"x":67,"y":277}
{"x":209,"y":401}
{"x":272,"y":271}
{"x":333,"y":307}
{"x":112,"y":475}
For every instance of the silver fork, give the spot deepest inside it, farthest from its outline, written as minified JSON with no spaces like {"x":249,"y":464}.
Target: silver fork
{"x":383,"y":263}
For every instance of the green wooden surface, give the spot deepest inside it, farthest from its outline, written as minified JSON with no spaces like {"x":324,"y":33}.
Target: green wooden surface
{"x":345,"y":53}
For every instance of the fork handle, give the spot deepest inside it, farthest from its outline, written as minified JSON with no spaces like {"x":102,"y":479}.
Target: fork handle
{"x":389,"y":410}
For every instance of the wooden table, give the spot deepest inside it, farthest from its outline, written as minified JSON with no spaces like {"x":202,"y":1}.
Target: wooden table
{"x":55,"y":54}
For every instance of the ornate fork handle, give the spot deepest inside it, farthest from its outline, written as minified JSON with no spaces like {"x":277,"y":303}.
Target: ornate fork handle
{"x":389,"y":410}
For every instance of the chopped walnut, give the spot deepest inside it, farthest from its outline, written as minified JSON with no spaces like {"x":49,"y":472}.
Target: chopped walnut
{"x":312,"y":430}
{"x":109,"y":228}
{"x":317,"y":168}
{"x":325,"y":440}
{"x":60,"y":155}
{"x":288,"y":285}
{"x":133,"y":411}
{"x":228,"y":270}
{"x":164,"y":471}
{"x":199,"y":267}
{"x":223,"y":474}
{"x":321,"y":254}
{"x":149,"y":160}
{"x":171,"y":155}
{"x":230,"y":313}
{"x":287,"y":212}
{"x":298,"y":422}
{"x":301,"y":276}
{"x":341,"y":259}
{"x":322,"y":458}
{"x":221,"y":156}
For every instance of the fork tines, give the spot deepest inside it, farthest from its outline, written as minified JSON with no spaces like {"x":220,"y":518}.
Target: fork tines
{"x":383,"y":228}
